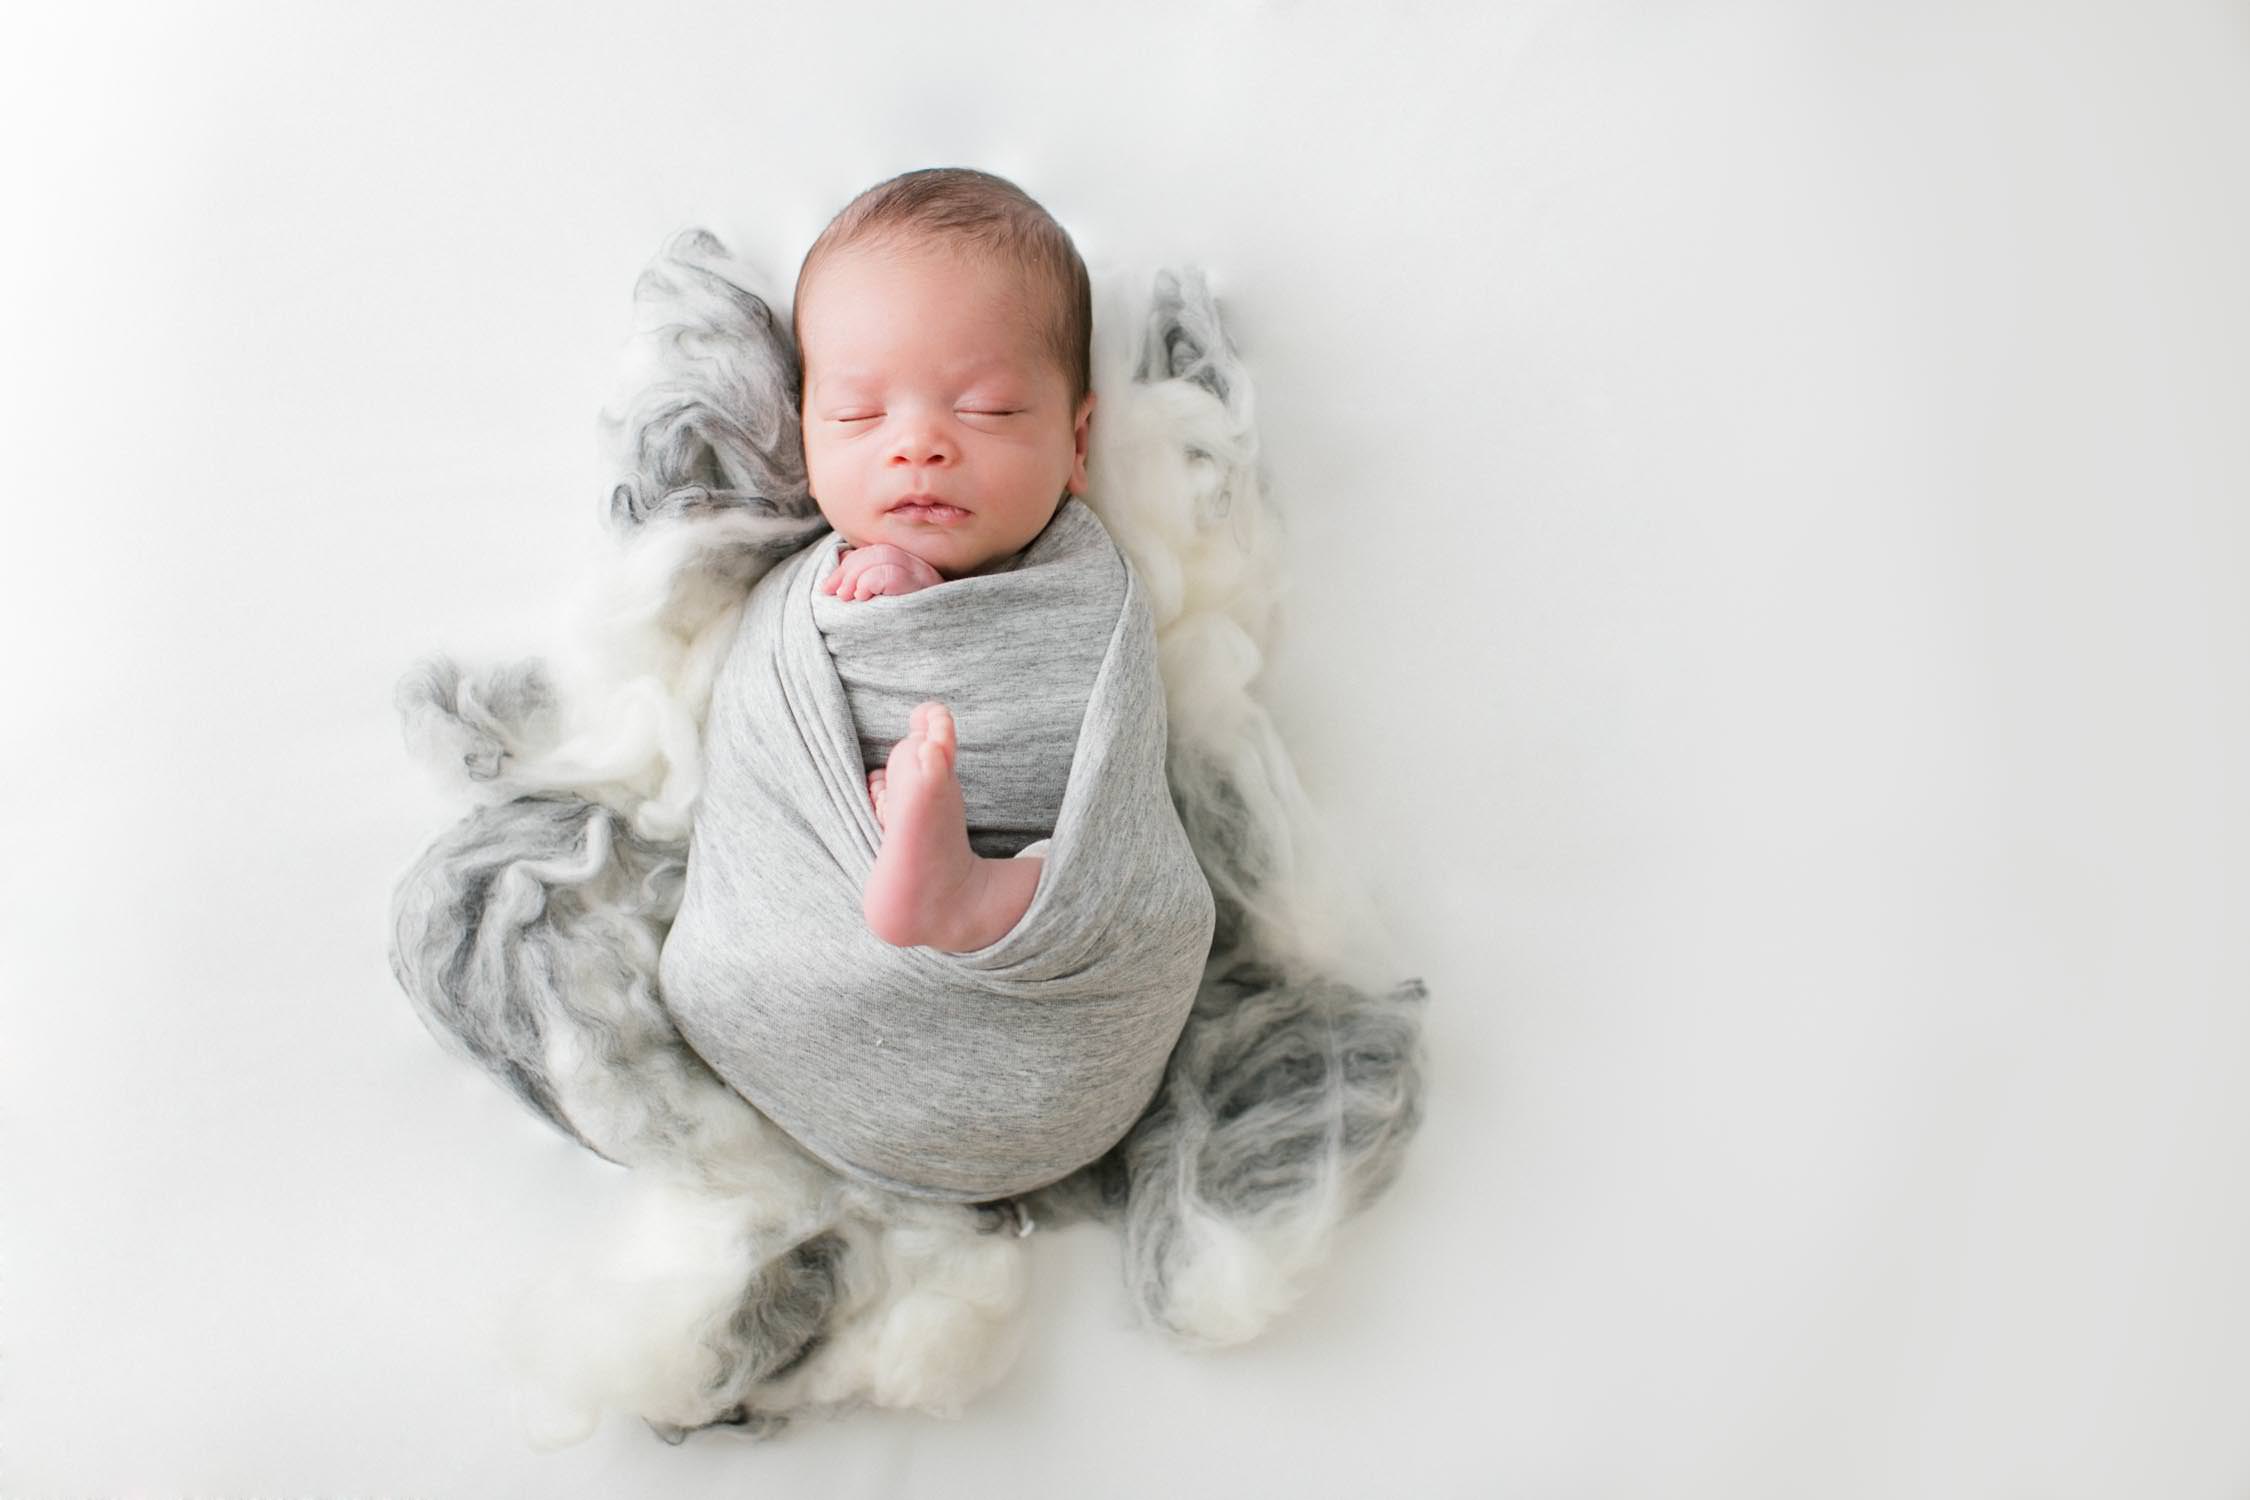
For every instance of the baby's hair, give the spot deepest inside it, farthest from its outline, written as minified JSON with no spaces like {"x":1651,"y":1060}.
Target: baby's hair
{"x":985,"y":215}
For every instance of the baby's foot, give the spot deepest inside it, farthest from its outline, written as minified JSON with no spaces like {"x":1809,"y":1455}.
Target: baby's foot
{"x":928,"y":887}
{"x":875,"y":782}
{"x":925,"y":860}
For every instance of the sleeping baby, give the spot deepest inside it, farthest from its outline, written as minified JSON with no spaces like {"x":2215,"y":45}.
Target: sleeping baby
{"x":945,"y":414}
{"x":945,"y":712}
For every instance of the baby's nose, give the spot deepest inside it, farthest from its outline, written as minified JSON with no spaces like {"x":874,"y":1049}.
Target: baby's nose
{"x":921,"y":444}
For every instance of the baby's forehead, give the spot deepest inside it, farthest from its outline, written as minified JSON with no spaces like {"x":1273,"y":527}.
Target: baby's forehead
{"x":1012,"y":340}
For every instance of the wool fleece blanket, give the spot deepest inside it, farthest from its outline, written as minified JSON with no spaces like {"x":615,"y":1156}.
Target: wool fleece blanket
{"x":752,"y":1280}
{"x":964,"y":1076}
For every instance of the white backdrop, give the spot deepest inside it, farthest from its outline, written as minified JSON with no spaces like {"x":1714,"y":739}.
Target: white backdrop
{"x":1767,"y":494}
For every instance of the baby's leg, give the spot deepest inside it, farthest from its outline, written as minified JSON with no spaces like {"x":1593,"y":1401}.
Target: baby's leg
{"x":928,"y":887}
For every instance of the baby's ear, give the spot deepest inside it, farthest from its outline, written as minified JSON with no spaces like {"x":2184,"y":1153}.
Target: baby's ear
{"x":1080,"y":427}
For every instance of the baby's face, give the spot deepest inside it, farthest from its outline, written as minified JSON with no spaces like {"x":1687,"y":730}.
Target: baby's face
{"x":926,"y":379}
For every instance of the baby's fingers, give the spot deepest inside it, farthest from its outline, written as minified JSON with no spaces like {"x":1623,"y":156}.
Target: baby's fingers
{"x":891,"y":578}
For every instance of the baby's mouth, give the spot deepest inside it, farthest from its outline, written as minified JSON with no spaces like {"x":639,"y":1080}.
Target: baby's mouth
{"x":928,"y":508}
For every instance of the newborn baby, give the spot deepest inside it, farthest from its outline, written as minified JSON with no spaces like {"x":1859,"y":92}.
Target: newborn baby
{"x":955,"y":985}
{"x":945,"y":414}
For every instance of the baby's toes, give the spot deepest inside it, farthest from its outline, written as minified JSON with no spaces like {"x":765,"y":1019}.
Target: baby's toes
{"x":939,"y":728}
{"x":937,"y":759}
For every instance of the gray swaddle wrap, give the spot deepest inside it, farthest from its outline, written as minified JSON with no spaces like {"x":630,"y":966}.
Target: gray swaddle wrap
{"x":961,"y":1076}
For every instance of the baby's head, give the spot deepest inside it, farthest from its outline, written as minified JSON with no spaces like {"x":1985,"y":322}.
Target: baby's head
{"x":944,"y":325}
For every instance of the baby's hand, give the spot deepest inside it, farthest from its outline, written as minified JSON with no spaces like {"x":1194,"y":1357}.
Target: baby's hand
{"x":865,"y":572}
